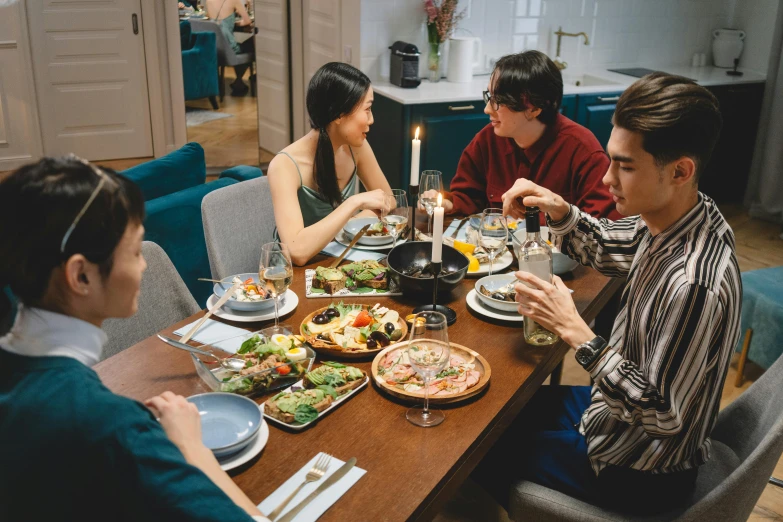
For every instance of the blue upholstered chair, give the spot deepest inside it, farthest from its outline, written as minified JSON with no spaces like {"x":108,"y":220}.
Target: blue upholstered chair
{"x":174,"y":223}
{"x":178,"y":170}
{"x":242,"y":173}
{"x":762,"y":318}
{"x":199,"y":64}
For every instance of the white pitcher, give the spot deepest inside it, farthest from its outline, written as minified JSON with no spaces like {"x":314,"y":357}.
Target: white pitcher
{"x":464,"y":55}
{"x":727,"y":46}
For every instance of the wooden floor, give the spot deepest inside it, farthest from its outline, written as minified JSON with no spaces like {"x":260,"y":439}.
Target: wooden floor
{"x":759,"y":245}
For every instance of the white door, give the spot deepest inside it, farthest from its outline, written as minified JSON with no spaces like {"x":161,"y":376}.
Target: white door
{"x":272,"y":66}
{"x":90,"y":77}
{"x":320,"y":39}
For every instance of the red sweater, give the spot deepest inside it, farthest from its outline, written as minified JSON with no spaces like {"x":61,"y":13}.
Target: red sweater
{"x":567,"y":160}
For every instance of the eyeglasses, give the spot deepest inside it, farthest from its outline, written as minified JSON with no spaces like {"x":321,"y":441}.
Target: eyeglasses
{"x":103,"y":179}
{"x":488,"y":98}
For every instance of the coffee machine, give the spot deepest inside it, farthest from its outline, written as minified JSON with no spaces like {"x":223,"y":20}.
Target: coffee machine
{"x":404,"y":70}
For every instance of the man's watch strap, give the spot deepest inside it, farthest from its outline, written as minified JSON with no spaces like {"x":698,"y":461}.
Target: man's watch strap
{"x":587,"y":353}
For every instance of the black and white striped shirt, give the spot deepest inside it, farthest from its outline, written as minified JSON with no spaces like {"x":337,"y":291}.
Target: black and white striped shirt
{"x":657,"y":388}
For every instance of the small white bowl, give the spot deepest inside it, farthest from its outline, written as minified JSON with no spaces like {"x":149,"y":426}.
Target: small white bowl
{"x":355,"y":225}
{"x":492,"y":283}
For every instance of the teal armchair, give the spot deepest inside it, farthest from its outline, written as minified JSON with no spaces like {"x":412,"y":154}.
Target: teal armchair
{"x":199,"y":64}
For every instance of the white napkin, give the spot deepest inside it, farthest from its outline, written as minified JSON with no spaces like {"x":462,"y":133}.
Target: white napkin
{"x":220,"y":335}
{"x":334,"y":249}
{"x":322,"y":502}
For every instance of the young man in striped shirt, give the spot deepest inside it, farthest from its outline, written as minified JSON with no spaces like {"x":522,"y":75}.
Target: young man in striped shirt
{"x":636,"y":439}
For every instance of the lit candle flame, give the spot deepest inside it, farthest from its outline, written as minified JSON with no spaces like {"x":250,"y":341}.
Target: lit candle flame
{"x":417,"y":134}
{"x":440,"y":200}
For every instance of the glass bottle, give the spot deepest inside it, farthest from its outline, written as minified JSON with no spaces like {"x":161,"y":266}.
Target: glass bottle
{"x":535,"y":257}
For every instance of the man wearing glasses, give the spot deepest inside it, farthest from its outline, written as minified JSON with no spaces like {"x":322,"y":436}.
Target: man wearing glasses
{"x":528,"y":138}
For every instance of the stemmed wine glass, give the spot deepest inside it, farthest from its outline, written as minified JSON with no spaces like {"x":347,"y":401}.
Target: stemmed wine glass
{"x":431,"y":180}
{"x":428,"y":353}
{"x":395,"y":213}
{"x":492,"y":233}
{"x":276,"y":273}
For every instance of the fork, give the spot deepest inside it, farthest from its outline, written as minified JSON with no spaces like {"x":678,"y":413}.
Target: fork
{"x":316,"y":473}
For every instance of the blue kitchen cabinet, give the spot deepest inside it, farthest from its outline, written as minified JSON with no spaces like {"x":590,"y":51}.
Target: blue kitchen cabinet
{"x":595,"y":112}
{"x":568,"y":106}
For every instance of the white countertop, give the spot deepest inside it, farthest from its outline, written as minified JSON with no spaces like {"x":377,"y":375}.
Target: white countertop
{"x":445,"y":92}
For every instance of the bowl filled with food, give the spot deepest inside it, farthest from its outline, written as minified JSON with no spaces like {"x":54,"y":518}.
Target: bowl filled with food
{"x":497,"y":291}
{"x":270,"y":364}
{"x":561,"y":263}
{"x":249,"y":297}
{"x":411,"y":267}
{"x":377,"y":234}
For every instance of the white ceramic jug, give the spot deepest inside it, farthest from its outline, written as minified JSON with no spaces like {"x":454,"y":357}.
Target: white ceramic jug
{"x":727,"y":46}
{"x":464,"y":55}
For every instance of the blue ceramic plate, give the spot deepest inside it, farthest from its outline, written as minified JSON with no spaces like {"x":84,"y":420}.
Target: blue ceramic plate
{"x":228,"y":421}
{"x":245,"y":306}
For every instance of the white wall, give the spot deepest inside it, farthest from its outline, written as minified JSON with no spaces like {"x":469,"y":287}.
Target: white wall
{"x":757,"y":19}
{"x":20,"y":136}
{"x":622,"y":32}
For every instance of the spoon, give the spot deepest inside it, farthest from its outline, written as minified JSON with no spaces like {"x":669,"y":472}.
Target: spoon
{"x":229,"y":363}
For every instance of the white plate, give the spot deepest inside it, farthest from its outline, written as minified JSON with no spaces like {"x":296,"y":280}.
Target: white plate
{"x":332,"y":406}
{"x":229,"y":314}
{"x":500,"y":263}
{"x":249,"y":451}
{"x":343,"y":239}
{"x":355,"y":225}
{"x":479,"y":307}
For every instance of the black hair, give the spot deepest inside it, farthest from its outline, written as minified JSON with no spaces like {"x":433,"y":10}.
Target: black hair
{"x":675,"y":116}
{"x":38,"y":203}
{"x":335,"y":90}
{"x":529,"y":79}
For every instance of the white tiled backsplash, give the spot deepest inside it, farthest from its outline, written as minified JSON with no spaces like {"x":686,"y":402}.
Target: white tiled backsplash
{"x":621,"y":32}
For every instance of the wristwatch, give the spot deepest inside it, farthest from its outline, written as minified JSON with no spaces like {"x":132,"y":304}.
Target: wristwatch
{"x":588,"y":352}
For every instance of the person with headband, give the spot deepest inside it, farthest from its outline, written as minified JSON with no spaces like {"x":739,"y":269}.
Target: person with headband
{"x":314,"y":181}
{"x":70,"y":449}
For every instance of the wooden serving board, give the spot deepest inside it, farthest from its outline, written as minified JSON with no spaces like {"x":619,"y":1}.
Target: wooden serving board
{"x":350,"y":354}
{"x":482,"y":366}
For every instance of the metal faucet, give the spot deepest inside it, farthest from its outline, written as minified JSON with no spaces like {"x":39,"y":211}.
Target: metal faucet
{"x":559,"y":62}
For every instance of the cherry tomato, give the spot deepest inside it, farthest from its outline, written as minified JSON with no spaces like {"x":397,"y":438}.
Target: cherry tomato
{"x":282,"y":368}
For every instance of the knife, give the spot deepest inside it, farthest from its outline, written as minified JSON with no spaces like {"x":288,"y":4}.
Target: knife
{"x":356,"y":238}
{"x":454,"y":235}
{"x":334,"y":477}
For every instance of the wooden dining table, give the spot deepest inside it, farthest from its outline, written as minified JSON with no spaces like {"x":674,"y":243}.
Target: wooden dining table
{"x":411,"y":471}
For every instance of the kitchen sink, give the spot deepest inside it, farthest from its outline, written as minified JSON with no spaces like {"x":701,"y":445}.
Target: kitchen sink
{"x":586,"y":80}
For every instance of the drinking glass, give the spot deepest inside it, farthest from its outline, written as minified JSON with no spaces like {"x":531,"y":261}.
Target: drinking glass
{"x":276,"y":274}
{"x":430,"y":180}
{"x":492,"y":233}
{"x":428,"y":353}
{"x":395,"y":213}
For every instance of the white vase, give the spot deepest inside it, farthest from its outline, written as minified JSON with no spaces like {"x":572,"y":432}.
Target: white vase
{"x":727,"y":46}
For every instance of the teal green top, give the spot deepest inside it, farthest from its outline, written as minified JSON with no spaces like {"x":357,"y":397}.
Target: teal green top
{"x":313,"y":206}
{"x":227,"y":28}
{"x":70,"y":449}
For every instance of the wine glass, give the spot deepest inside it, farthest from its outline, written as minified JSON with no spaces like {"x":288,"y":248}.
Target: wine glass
{"x":428,"y":354}
{"x":395,"y":213}
{"x":276,"y":273}
{"x":492,"y":233}
{"x":430,"y":180}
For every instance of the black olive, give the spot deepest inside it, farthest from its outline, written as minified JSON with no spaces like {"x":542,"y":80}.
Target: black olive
{"x":331,"y":312}
{"x":381,"y":338}
{"x":322,"y":337}
{"x":371,"y":343}
{"x":389,"y":328}
{"x":321,"y":319}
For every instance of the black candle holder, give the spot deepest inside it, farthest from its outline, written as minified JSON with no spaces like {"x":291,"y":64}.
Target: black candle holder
{"x":413,"y":194}
{"x":451,"y":315}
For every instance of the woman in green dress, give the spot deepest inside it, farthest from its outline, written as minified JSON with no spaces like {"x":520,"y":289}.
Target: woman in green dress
{"x":225,"y":13}
{"x":315,"y":180}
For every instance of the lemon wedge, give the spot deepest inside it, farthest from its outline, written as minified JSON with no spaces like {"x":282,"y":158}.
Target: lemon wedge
{"x":473,"y":264}
{"x":465,"y":248}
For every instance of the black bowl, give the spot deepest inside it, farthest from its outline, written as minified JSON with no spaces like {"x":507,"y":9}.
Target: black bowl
{"x":419,"y":253}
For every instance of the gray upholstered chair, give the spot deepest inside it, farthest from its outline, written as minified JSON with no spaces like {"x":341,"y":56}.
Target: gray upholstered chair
{"x":747,"y":443}
{"x":163,"y":300}
{"x":238,"y":219}
{"x":225,"y":54}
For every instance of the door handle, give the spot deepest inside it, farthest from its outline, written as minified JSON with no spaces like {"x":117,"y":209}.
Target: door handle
{"x":608,"y":100}
{"x":135,"y":22}
{"x":461,"y":108}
